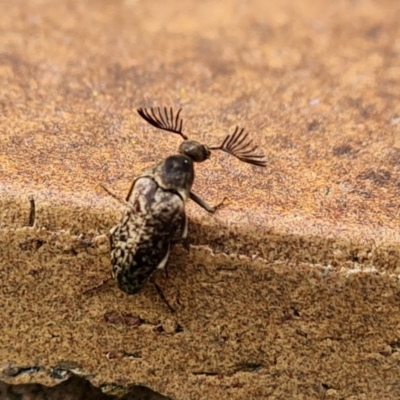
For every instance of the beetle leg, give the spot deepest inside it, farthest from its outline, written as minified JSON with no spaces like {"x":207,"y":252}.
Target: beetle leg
{"x":202,"y":203}
{"x":181,"y":232}
{"x":113,"y":195}
{"x":161,"y":294}
{"x":185,"y":226}
{"x":206,"y":206}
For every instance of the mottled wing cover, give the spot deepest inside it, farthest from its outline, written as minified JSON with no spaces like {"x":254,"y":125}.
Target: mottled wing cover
{"x":140,"y":243}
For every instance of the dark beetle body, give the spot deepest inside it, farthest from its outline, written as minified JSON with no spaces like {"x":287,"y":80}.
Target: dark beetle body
{"x":154,"y":217}
{"x":155,"y":214}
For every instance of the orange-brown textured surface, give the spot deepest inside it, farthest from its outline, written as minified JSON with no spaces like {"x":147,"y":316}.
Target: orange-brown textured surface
{"x":297,"y":294}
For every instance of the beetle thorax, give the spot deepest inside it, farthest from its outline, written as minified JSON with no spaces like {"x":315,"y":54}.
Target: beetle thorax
{"x":175,"y":173}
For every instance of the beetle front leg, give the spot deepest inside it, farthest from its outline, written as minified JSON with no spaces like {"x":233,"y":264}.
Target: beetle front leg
{"x":202,"y":203}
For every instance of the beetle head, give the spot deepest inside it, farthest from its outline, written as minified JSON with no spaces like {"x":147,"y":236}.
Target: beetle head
{"x":196,"y":151}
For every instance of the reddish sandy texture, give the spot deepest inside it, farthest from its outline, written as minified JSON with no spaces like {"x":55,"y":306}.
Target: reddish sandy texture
{"x":301,"y":299}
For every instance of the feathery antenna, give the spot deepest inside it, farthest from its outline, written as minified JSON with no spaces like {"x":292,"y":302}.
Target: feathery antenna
{"x":163,"y":118}
{"x":240,"y":147}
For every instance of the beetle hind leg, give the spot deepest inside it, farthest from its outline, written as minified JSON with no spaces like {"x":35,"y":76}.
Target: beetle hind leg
{"x":162,"y":295}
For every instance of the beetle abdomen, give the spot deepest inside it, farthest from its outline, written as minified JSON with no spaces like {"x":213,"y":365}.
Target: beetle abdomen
{"x":140,"y":242}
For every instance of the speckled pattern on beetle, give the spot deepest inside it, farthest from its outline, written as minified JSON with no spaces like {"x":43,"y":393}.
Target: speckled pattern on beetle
{"x":155,"y":214}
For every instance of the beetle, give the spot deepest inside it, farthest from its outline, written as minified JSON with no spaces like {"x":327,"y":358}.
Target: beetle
{"x":155,"y":214}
